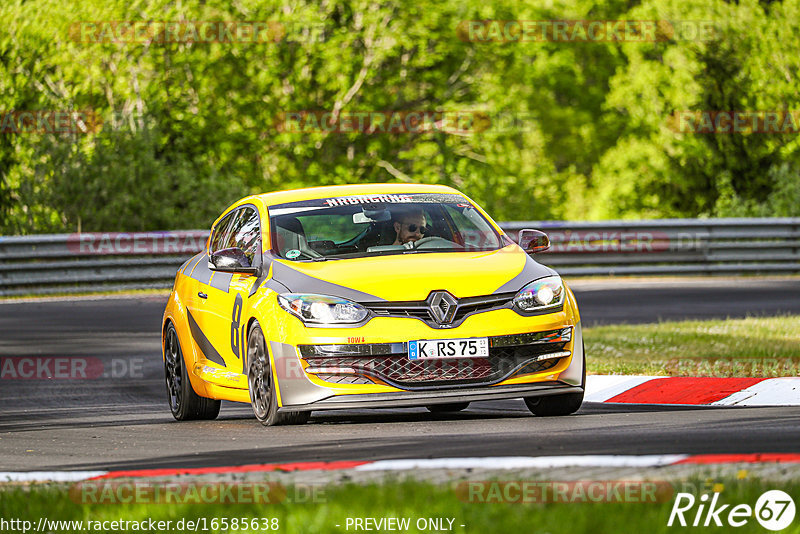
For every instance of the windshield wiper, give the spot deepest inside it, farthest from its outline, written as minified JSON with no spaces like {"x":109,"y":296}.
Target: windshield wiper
{"x":450,"y":249}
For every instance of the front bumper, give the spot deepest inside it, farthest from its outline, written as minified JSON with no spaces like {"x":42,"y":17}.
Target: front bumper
{"x":423,"y":398}
{"x":510,"y":355}
{"x":298,"y":390}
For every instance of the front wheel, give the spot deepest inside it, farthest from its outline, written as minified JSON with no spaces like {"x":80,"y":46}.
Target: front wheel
{"x":184,"y":403}
{"x":564,"y":404}
{"x":263,"y":396}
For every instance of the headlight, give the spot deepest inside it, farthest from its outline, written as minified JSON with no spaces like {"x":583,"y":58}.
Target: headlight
{"x":322,"y":309}
{"x":541,"y":294}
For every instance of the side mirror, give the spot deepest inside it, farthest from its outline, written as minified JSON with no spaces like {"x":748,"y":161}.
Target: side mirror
{"x":533,"y":241}
{"x":232,"y":260}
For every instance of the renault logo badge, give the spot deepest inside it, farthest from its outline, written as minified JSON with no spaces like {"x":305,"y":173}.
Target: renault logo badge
{"x":443,"y":307}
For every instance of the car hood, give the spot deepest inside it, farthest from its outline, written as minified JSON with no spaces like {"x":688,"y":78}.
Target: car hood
{"x":412,"y":276}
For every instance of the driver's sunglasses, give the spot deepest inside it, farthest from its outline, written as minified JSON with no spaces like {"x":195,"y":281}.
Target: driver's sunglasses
{"x":422,"y":229}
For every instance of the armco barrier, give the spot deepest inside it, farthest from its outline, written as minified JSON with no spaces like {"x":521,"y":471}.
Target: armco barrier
{"x":64,"y":263}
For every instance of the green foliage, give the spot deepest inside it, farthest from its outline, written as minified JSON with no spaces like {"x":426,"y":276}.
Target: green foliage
{"x":749,"y":64}
{"x":783,"y":200}
{"x":189,"y":127}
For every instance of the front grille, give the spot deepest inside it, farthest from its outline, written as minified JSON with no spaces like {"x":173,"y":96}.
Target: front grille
{"x":388,"y":362}
{"x":421,"y":309}
{"x":470,"y":305}
{"x":344,"y":379}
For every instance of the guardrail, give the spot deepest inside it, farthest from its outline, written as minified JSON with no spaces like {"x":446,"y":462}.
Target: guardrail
{"x":66,"y":263}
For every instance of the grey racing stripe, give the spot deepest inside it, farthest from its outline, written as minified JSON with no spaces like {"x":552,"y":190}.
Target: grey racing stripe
{"x":266,"y":263}
{"x":276,"y":286}
{"x":530,"y":271}
{"x":302,"y":283}
{"x":202,"y":341}
{"x":221,"y":280}
{"x":201,"y":272}
{"x":189,"y":265}
{"x":182,"y":268}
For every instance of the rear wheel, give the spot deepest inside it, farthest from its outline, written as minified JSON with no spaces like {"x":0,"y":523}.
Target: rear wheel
{"x":449,"y":407}
{"x":263,"y":396}
{"x":184,"y":403}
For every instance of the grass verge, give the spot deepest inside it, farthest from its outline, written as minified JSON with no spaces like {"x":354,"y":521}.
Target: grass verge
{"x":409,"y":499}
{"x":755,"y":346}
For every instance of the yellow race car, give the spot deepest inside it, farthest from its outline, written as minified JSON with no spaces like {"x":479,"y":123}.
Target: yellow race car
{"x":368,"y":296}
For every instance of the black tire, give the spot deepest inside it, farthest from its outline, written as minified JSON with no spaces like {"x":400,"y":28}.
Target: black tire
{"x":263,"y":397}
{"x":553,"y":405}
{"x":564,"y":404}
{"x":450,"y":407}
{"x":184,"y":403}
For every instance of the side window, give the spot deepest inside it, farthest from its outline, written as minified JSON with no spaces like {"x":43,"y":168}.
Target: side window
{"x":245,"y":232}
{"x":221,"y":233}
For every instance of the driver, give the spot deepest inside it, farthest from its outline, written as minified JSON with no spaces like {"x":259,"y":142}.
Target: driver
{"x":409,"y":226}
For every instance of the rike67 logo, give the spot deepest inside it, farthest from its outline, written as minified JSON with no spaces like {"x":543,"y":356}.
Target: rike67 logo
{"x":774,"y":510}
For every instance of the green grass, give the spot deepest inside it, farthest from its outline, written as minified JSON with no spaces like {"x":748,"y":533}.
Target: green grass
{"x":402,"y":499}
{"x":761,"y":347}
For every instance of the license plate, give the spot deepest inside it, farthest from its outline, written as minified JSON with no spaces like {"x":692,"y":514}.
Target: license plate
{"x":474,"y":347}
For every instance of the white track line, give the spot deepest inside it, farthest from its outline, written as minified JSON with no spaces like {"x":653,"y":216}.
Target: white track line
{"x":48,"y":476}
{"x":521,"y":462}
{"x":772,"y":392}
{"x":600,"y":388}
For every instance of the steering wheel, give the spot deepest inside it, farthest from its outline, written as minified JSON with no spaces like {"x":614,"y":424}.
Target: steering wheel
{"x":433,"y":242}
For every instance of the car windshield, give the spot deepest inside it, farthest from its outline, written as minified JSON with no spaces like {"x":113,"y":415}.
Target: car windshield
{"x":372,"y":225}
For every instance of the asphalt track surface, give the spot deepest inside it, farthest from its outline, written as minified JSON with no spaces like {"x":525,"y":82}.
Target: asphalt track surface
{"x":121,"y":420}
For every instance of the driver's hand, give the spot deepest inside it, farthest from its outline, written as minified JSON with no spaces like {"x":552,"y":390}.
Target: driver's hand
{"x":409,"y":244}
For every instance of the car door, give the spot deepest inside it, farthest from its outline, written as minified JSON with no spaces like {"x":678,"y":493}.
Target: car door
{"x":228,"y":291}
{"x":200,"y":311}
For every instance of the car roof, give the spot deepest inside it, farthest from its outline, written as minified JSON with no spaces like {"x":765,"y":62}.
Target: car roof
{"x":311,"y":193}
